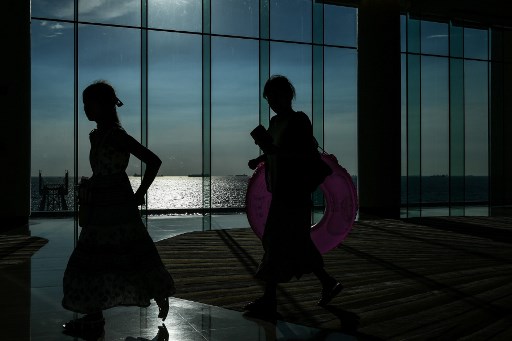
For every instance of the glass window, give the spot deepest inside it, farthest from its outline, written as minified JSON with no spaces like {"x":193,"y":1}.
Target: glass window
{"x":291,"y":20}
{"x":476,"y":43}
{"x":403,"y":33}
{"x":185,"y":126}
{"x":447,"y":128}
{"x":456,"y":41}
{"x":434,"y":132}
{"x":118,"y":12}
{"x":175,"y":15}
{"x":413,"y":35}
{"x":52,"y":107}
{"x":235,"y":107}
{"x":403,"y":145}
{"x":340,"y":25}
{"x":476,"y":133}
{"x":174,"y":118}
{"x":235,"y":17}
{"x":457,"y":137}
{"x":62,"y":9}
{"x":340,"y":106}
{"x":434,"y":38}
{"x":413,"y":135}
{"x":111,"y":54}
{"x":294,"y":62}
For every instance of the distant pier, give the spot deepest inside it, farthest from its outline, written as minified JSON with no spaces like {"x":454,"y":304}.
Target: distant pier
{"x":53,"y":195}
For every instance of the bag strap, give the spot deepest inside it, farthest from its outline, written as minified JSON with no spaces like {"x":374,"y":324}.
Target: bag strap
{"x":316,"y":145}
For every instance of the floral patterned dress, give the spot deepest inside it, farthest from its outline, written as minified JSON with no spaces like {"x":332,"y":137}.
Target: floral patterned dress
{"x":115,"y":262}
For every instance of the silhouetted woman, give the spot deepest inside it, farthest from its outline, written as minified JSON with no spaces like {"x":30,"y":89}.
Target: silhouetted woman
{"x":115,"y":262}
{"x":289,"y":152}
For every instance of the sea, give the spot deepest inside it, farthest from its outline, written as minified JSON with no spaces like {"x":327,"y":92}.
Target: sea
{"x":178,"y":194}
{"x":167,"y":193}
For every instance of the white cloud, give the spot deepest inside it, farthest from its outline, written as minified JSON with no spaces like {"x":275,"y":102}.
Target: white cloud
{"x":436,"y":36}
{"x":54,"y":30}
{"x":103,"y":10}
{"x":56,"y":27}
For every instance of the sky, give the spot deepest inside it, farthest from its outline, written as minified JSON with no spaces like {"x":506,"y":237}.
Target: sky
{"x":175,"y":82}
{"x":175,"y":79}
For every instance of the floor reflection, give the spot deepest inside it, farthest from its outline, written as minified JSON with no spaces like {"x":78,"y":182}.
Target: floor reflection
{"x":32,"y":292}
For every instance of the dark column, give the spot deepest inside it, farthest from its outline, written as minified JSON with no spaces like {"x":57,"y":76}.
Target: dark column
{"x":15,"y":163}
{"x":379,"y":108}
{"x":15,"y":117}
{"x":501,"y":124}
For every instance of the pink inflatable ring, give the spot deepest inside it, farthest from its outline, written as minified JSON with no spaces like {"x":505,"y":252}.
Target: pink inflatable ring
{"x":340,"y":205}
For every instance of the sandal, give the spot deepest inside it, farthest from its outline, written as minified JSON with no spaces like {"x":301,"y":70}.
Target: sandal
{"x":328,"y":293}
{"x":85,"y":327}
{"x":163,"y":307}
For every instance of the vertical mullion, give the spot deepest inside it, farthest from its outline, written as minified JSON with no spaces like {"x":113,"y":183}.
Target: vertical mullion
{"x":317,"y":88}
{"x":463,"y":80}
{"x":264,"y":60}
{"x":144,"y":85}
{"x":456,"y":119}
{"x":413,"y":118}
{"x":318,"y":73}
{"x":206,"y":115}
{"x":406,"y":182}
{"x":75,"y":119}
{"x":489,"y":151}
{"x":414,"y":134}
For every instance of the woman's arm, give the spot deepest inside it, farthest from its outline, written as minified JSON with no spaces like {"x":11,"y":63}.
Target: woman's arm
{"x":151,"y":160}
{"x":253,"y":163}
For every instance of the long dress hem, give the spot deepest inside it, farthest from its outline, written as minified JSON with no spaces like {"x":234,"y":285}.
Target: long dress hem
{"x":115,"y":261}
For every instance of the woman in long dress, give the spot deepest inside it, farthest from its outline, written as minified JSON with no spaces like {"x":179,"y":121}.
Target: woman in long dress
{"x":289,"y":155}
{"x":115,"y":262}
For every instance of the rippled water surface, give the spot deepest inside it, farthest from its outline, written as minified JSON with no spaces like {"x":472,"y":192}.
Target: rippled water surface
{"x":174,"y":192}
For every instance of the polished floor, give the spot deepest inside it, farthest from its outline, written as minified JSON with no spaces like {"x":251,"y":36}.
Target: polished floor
{"x":187,"y":320}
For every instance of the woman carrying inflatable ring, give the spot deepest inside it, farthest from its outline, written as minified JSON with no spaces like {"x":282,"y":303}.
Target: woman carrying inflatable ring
{"x":291,"y":161}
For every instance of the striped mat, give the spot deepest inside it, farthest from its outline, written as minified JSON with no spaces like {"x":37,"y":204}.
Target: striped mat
{"x":402,"y":279}
{"x":16,"y":249}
